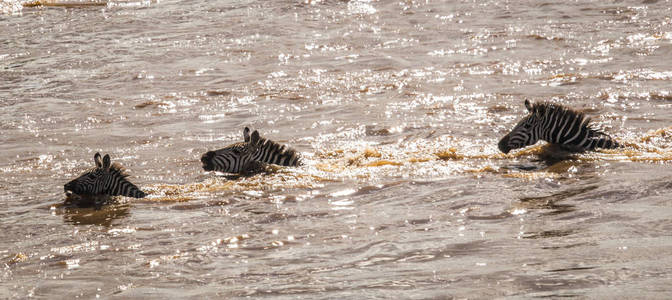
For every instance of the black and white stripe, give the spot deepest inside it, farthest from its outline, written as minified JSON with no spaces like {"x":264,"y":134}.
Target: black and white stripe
{"x":105,"y":179}
{"x":559,"y":125}
{"x":242,"y":157}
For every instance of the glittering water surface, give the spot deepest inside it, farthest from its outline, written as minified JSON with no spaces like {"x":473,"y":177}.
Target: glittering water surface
{"x":396,"y":106}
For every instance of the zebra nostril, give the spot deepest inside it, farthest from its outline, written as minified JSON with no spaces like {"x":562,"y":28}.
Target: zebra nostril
{"x":503,"y":145}
{"x":207,"y":156}
{"x":206,"y":159}
{"x":70,"y":189}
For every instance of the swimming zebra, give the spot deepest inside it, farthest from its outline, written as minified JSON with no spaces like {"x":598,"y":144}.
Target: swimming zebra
{"x":101,"y":182}
{"x":557,"y":125}
{"x":250,"y":156}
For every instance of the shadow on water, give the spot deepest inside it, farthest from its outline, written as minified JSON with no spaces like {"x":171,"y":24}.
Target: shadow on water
{"x":552,"y":154}
{"x":546,"y":157}
{"x":103,"y":216}
{"x":547,"y":234}
{"x":551,"y":202}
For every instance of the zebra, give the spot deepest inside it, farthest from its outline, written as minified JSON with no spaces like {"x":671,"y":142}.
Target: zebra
{"x":100,"y":183}
{"x":558,"y":125}
{"x":250,"y":156}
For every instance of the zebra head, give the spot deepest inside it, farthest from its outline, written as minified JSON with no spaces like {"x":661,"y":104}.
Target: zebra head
{"x":525,"y":133}
{"x":232,"y":158}
{"x":104,"y":179}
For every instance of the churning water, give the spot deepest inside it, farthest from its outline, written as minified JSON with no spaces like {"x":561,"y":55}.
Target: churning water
{"x":396,"y":106}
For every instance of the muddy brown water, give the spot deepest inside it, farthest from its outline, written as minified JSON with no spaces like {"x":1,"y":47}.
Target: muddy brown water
{"x":396,"y":106}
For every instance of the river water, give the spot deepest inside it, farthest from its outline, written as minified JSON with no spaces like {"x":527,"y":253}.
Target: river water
{"x":396,"y":107}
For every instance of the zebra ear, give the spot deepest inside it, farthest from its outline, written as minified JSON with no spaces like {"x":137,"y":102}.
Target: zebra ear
{"x":254,"y":139}
{"x":97,"y":160}
{"x":106,"y":161}
{"x":246,"y":134}
{"x":528,"y":105}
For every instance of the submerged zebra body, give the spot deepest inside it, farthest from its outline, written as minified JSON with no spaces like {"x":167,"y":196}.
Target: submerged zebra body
{"x":250,"y":156}
{"x":101,"y":182}
{"x":559,"y":125}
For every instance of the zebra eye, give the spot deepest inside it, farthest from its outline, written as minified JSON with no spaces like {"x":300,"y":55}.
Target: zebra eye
{"x":91,"y":176}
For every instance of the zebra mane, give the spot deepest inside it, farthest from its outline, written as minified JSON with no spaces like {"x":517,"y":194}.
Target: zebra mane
{"x":114,"y":168}
{"x":117,"y":168}
{"x":543,"y":109}
{"x":275,"y":146}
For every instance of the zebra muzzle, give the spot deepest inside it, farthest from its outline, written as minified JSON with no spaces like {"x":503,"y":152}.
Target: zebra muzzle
{"x":70,"y":195}
{"x":503,"y":145}
{"x":68,"y":189}
{"x":206,"y":159}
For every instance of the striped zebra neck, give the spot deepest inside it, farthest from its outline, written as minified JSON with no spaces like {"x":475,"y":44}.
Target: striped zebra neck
{"x":101,"y":181}
{"x":557,"y":125}
{"x":271,"y":152}
{"x":569,"y":128}
{"x":119,"y":185}
{"x":250,"y":155}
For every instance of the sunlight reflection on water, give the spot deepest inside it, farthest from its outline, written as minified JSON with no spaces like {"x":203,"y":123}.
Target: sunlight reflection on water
{"x":396,"y":107}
